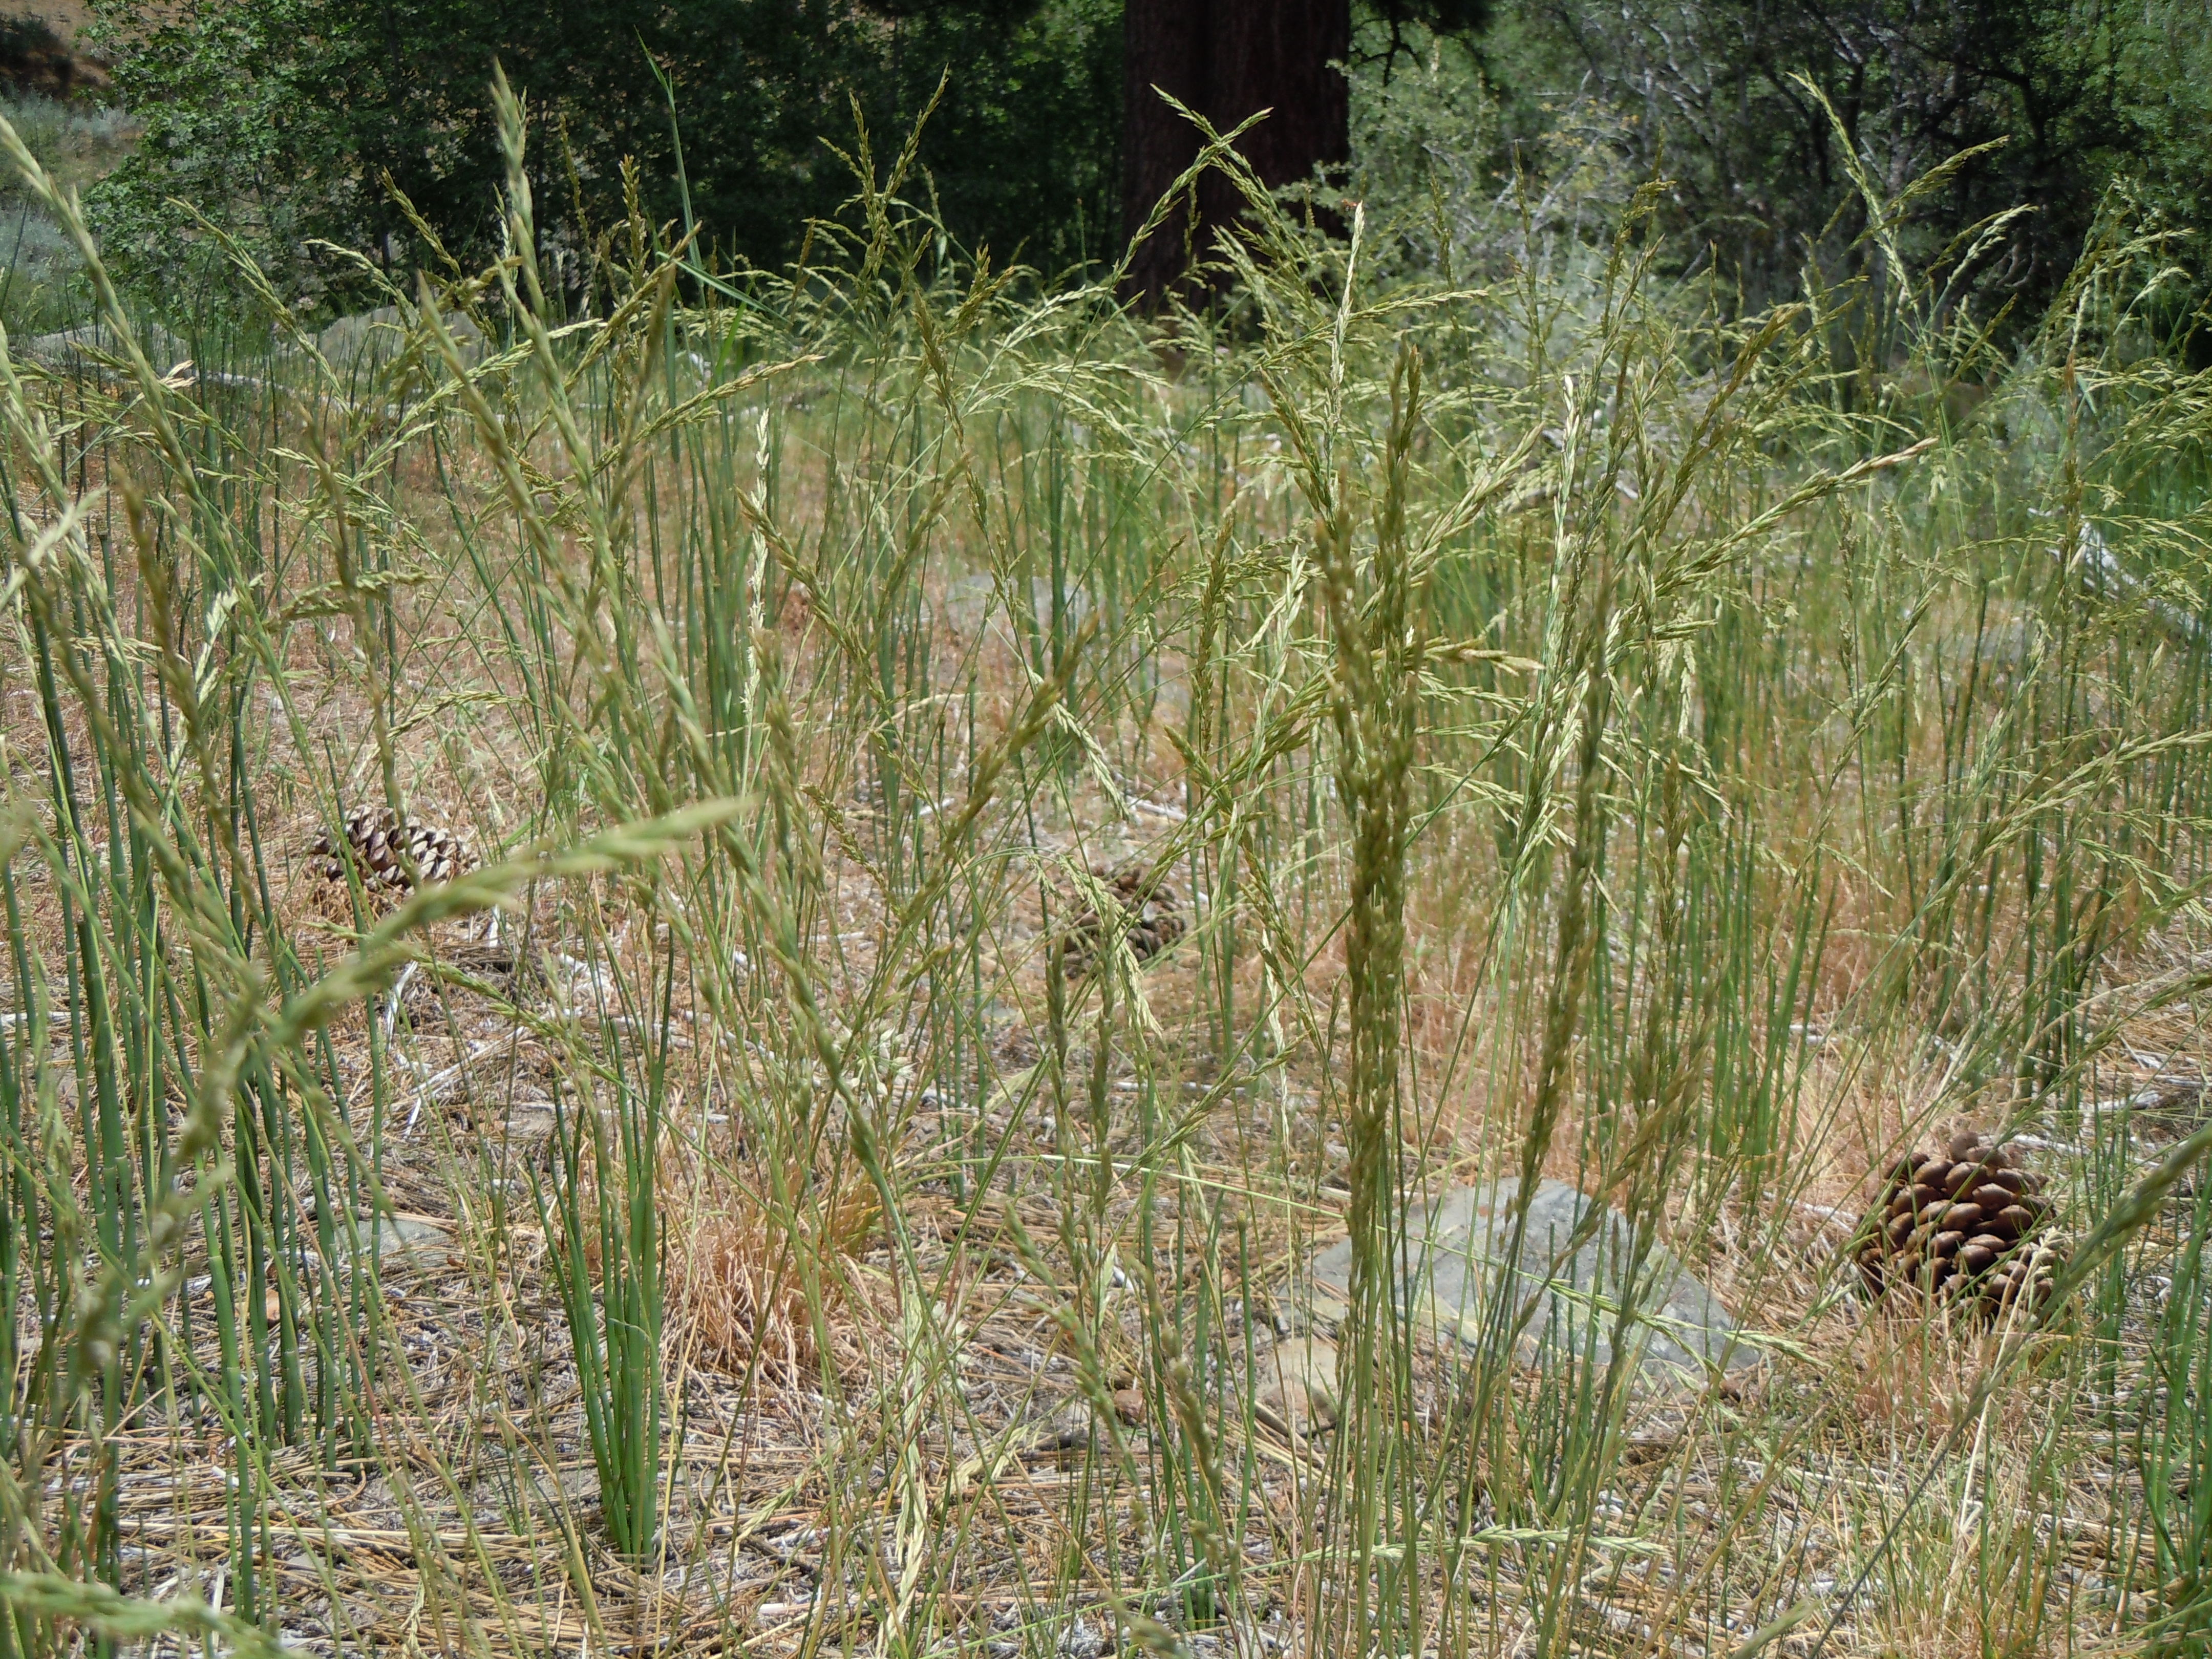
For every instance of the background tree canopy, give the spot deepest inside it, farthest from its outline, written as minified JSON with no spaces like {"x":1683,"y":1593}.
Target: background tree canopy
{"x":282,"y":118}
{"x":1719,"y":96}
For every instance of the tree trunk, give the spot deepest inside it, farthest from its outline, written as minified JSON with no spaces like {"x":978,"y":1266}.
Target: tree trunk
{"x":1227,"y":60}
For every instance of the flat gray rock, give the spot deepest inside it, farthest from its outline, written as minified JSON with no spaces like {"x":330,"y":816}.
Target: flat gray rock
{"x":96,"y":346}
{"x":1682,"y":1337}
{"x":396,"y":1241}
{"x":970,"y":599}
{"x":372,"y":337}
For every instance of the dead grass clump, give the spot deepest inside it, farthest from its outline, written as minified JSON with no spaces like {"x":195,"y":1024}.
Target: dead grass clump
{"x":754,"y":1296}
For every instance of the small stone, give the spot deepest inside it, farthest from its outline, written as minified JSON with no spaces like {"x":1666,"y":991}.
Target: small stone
{"x":1069,"y":1429}
{"x":1071,"y":1426}
{"x":396,"y":1241}
{"x":1297,"y":1385}
{"x":1641,"y":1449}
{"x":971,"y":600}
{"x":1682,"y":1336}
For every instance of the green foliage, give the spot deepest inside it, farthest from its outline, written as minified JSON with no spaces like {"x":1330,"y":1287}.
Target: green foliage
{"x":294,"y":124}
{"x":284,"y":120}
{"x":2061,"y":101}
{"x":2062,"y":87}
{"x":42,"y":288}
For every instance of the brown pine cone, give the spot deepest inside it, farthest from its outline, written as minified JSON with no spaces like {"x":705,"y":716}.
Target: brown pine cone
{"x":1147,"y":912}
{"x":1964,"y":1225}
{"x":383,"y":846}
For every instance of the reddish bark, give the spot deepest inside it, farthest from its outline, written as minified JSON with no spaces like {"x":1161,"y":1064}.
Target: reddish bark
{"x":1227,"y":60}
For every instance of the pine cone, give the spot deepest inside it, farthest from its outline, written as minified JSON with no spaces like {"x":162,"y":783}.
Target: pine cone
{"x":383,"y":845}
{"x":1964,"y":1225}
{"x":1147,"y":912}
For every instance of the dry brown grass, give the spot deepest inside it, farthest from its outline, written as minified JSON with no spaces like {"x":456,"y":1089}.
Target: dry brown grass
{"x":879,"y":1434}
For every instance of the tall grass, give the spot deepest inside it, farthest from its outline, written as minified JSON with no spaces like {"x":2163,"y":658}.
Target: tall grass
{"x":1591,"y":735}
